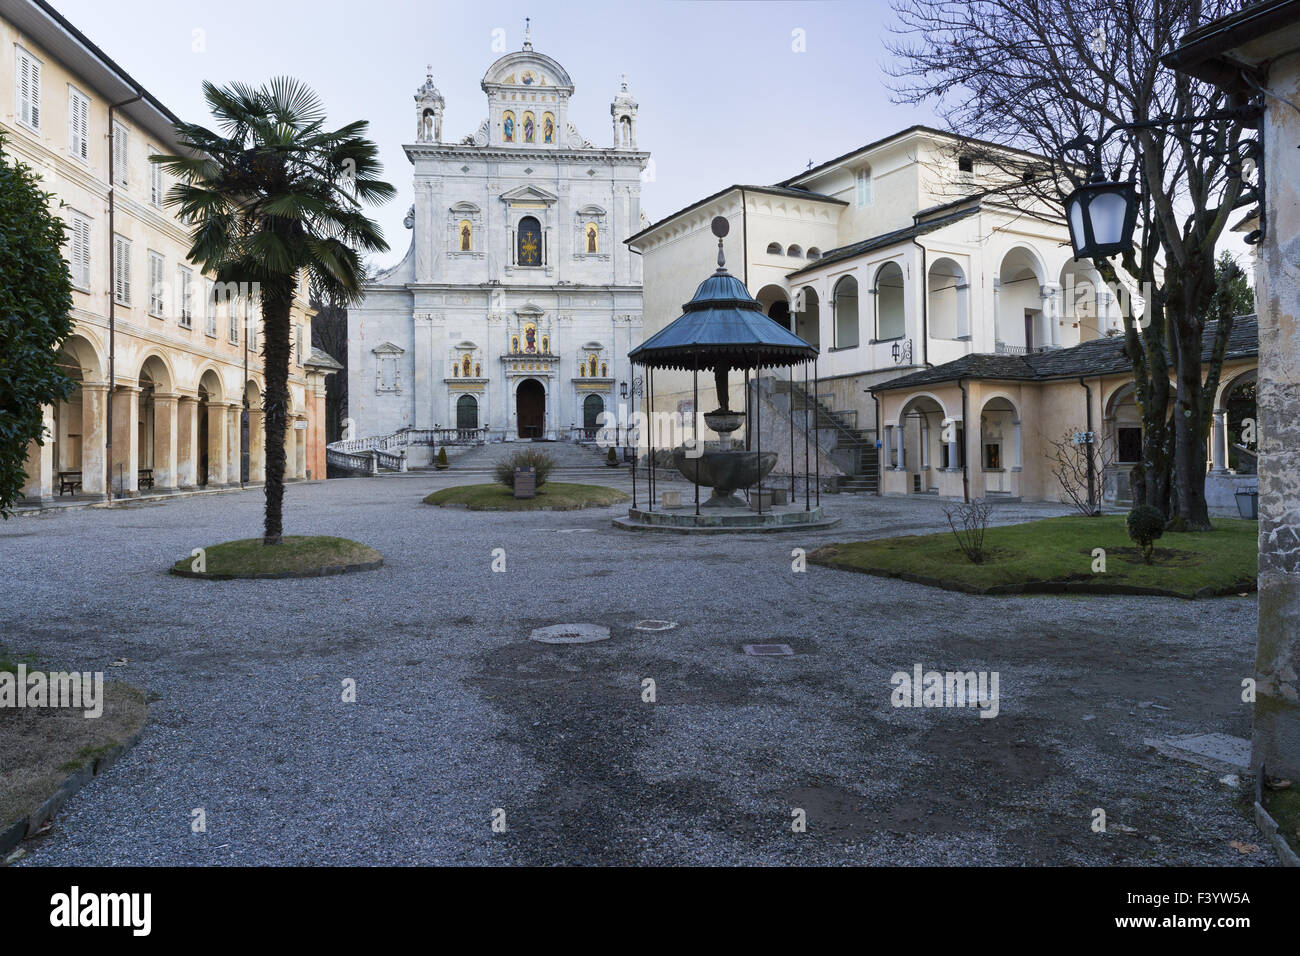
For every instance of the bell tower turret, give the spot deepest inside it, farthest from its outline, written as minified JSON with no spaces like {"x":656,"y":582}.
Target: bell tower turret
{"x":428,"y":111}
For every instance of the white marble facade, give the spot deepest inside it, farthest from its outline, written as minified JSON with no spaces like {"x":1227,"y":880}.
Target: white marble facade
{"x":517,"y":301}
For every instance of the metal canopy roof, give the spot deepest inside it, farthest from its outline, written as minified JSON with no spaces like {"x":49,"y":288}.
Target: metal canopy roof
{"x":723,"y":325}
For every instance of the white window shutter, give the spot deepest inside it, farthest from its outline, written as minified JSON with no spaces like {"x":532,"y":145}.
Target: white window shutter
{"x":120,"y":158}
{"x":78,"y":125}
{"x":81,"y":251}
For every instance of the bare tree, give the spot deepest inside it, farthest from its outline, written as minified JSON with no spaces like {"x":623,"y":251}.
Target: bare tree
{"x":969,"y":522}
{"x":1079,"y":466}
{"x":1046,"y":76}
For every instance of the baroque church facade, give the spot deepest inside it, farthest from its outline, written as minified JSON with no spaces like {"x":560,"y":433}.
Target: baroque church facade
{"x":512,"y":313}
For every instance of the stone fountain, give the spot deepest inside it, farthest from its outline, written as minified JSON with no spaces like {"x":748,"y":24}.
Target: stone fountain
{"x":723,"y":329}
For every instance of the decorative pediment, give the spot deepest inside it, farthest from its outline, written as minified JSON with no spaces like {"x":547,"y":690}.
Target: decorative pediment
{"x":591,"y":211}
{"x":388,"y":348}
{"x":530,"y":310}
{"x":593,"y":347}
{"x":529,"y":193}
{"x":465,"y":208}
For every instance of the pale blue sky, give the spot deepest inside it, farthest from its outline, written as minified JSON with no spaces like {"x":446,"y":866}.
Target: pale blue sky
{"x":723,"y":96}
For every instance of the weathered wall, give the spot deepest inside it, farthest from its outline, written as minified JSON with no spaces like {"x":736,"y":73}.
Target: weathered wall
{"x":1277,"y":705}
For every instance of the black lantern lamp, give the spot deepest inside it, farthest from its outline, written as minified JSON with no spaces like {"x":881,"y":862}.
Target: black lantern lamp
{"x":1101,"y":216}
{"x":895,"y":352}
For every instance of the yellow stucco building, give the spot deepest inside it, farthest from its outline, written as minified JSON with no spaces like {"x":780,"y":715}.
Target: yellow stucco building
{"x":168,"y":367}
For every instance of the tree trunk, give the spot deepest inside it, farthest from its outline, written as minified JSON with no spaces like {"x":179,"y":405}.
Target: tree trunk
{"x":1193,"y":291}
{"x":276,"y":346}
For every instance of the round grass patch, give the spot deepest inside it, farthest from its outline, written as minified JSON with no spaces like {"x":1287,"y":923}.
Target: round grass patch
{"x":552,"y":496}
{"x":296,"y":556}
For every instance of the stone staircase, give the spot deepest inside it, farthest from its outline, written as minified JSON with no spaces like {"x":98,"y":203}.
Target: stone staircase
{"x":852,"y":448}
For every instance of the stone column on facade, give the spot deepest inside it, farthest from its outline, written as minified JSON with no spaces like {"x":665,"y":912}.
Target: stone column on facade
{"x":1019,"y":460}
{"x":165,"y":424}
{"x":216,"y":444}
{"x":124,"y":472}
{"x":1277,"y":660}
{"x":1219,"y":441}
{"x":94,"y":434}
{"x":954,"y":452}
{"x":423,"y":359}
{"x":899,"y":434}
{"x":187,"y":439}
{"x":925,"y":443}
{"x":1050,"y":294}
{"x":997,"y":312}
{"x":234,"y":443}
{"x":256,"y":445}
{"x":39,"y":466}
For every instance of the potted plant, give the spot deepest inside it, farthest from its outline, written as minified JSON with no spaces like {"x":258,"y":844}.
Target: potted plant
{"x":441,"y":461}
{"x":612,"y":458}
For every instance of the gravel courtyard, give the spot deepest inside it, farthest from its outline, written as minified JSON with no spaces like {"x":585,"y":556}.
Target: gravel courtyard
{"x":458,"y":714}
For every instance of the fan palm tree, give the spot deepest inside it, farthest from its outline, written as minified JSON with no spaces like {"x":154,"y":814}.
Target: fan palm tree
{"x":270,"y":196}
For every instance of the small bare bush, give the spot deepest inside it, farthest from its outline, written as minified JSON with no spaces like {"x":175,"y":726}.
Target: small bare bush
{"x":968,"y":523}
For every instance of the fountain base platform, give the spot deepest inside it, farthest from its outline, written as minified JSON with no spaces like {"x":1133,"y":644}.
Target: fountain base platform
{"x":684,"y":520}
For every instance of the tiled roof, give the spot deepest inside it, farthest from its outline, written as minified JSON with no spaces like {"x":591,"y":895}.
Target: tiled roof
{"x":1104,"y":356}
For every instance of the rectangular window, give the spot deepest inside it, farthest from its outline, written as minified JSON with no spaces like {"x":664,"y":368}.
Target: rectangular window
{"x":121,"y":270}
{"x":864,"y":187}
{"x":254,"y":317}
{"x":78,"y":125}
{"x":992,"y":457}
{"x":210,"y":309}
{"x":299,"y":345}
{"x":156,"y":283}
{"x":121,"y":145}
{"x":185,"y":297}
{"x":235,"y":306}
{"x":155,"y":183}
{"x":79,"y":253}
{"x":27,"y":85}
{"x":1129,"y":442}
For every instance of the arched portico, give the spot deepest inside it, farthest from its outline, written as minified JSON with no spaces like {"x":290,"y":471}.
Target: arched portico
{"x":1021,"y":323}
{"x":807,"y":315}
{"x":157,"y":425}
{"x":1001,"y":448}
{"x":776,"y":304}
{"x":918,"y":443}
{"x":949,"y":300}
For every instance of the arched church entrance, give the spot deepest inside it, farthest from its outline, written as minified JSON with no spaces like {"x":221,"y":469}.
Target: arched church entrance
{"x":530,"y":408}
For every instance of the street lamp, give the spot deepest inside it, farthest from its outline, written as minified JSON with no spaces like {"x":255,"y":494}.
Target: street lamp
{"x":626,"y":391}
{"x":1101,"y":216}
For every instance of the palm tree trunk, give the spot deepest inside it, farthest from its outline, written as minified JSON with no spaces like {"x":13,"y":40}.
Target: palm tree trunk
{"x":276,"y":347}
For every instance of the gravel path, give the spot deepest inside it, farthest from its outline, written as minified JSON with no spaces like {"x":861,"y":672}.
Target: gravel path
{"x":458,"y":714}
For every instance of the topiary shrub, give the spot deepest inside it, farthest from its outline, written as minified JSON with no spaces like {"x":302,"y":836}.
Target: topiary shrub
{"x":539,"y":461}
{"x":612,"y":458}
{"x":1145,"y":524}
{"x":441,"y":461}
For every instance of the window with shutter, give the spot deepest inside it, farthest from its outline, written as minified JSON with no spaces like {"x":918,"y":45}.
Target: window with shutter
{"x":210,"y":309}
{"x":122,"y":270}
{"x":186,"y":296}
{"x":155,"y":284}
{"x":120,"y":159}
{"x":235,"y":305}
{"x":79,"y":254}
{"x":78,"y":125}
{"x":28,"y":83}
{"x":155,"y":184}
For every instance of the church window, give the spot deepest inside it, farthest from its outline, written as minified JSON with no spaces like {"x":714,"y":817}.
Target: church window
{"x":774,"y":248}
{"x":548,"y":128}
{"x":508,"y":127}
{"x":529,"y":252}
{"x":592,"y":236}
{"x":529,"y":131}
{"x":794,"y":251}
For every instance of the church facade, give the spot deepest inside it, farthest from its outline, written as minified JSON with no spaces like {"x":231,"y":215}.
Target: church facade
{"x":512,"y":313}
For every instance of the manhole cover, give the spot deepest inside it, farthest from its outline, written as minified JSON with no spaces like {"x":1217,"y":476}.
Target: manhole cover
{"x":768,"y":650}
{"x":652,"y":625}
{"x":570,"y":634}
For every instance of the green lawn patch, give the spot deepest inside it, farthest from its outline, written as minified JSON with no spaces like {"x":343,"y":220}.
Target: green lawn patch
{"x":295,"y":556}
{"x":552,"y":496}
{"x":1055,"y":555}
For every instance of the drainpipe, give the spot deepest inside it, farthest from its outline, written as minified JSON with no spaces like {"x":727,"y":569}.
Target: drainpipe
{"x":879,"y":482}
{"x":965,"y":425}
{"x":1092,"y":484}
{"x":112,"y":297}
{"x":925,"y":305}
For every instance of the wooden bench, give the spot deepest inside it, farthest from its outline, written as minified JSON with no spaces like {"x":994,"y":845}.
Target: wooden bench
{"x":69,"y":482}
{"x":144,"y":478}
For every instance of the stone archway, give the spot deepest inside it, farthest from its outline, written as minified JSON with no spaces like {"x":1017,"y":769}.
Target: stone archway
{"x":530,"y":408}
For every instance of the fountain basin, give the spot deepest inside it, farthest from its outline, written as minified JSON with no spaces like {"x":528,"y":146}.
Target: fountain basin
{"x":724,"y":472}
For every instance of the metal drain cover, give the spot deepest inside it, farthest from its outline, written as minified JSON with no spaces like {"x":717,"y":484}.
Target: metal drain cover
{"x":653,"y":625}
{"x":768,"y":650}
{"x":570,"y":634}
